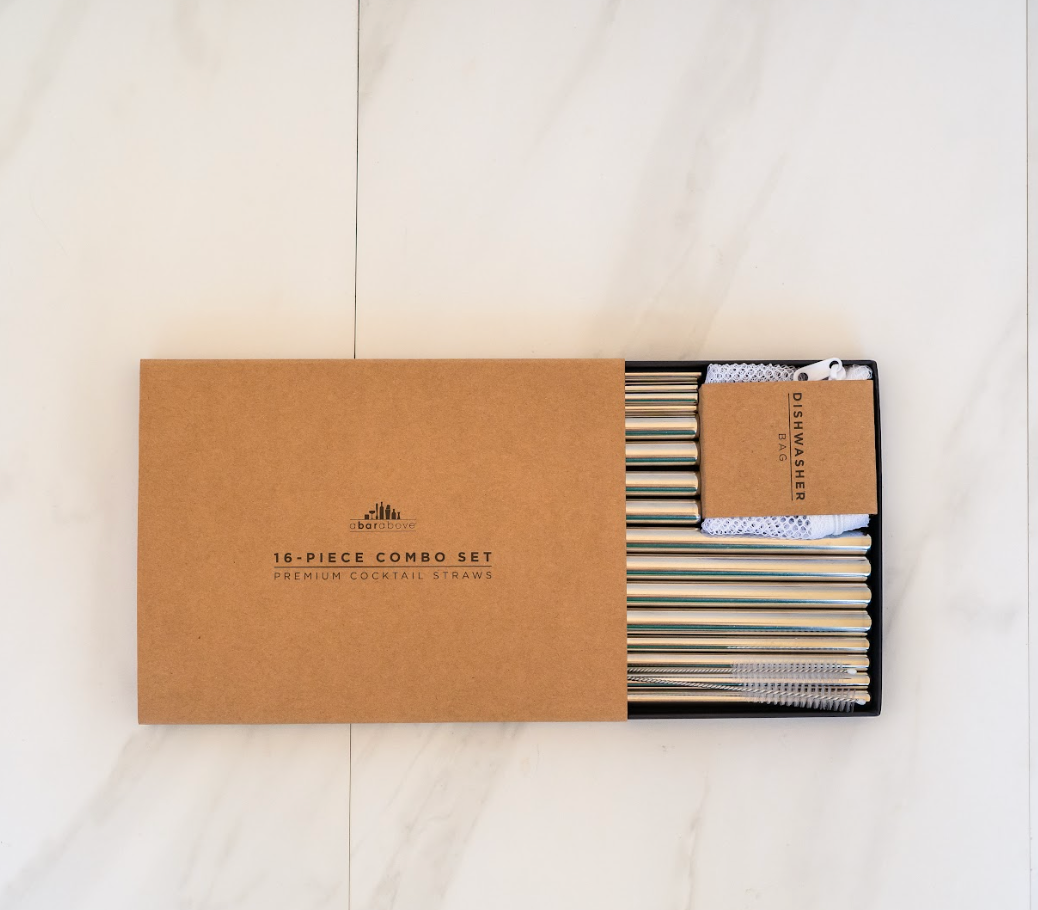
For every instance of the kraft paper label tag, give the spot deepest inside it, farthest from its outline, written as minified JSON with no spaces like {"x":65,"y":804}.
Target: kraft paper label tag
{"x":788,"y":448}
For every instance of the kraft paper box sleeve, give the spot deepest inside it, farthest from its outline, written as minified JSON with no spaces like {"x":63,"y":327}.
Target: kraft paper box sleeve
{"x":351,"y":541}
{"x":788,"y":448}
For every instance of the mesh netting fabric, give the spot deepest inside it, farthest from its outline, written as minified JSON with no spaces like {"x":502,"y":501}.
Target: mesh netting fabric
{"x":748,"y":372}
{"x":771,"y":372}
{"x":859,"y":372}
{"x":799,"y":527}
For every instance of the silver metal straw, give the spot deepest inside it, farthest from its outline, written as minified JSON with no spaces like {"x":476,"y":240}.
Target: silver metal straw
{"x":692,"y":541}
{"x":666,"y":376}
{"x":661,"y":428}
{"x":662,"y":511}
{"x":721,"y":680}
{"x":654,"y":389}
{"x":736,"y":696}
{"x":797,"y":595}
{"x":763,"y":568}
{"x":662,"y":483}
{"x":747,"y":621}
{"x":660,"y":454}
{"x":671,"y":661}
{"x":646,"y":399}
{"x":680,"y":644}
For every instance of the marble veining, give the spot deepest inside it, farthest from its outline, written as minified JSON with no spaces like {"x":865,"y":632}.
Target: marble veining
{"x":198,"y":818}
{"x":171,"y":185}
{"x":776,"y":179}
{"x":598,"y":177}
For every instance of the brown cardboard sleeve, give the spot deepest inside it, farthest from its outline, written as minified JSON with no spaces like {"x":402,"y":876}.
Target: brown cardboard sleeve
{"x":350,"y":541}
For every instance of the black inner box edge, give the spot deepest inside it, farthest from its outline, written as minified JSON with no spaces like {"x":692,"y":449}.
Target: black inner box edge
{"x":875,"y":529}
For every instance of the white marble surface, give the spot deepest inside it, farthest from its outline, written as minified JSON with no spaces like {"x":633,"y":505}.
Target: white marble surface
{"x":725,"y":179}
{"x":176,"y":180}
{"x":1032,"y":415}
{"x":591,"y":177}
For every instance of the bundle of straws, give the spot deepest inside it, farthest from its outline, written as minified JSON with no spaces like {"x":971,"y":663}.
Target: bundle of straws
{"x":728,"y":620}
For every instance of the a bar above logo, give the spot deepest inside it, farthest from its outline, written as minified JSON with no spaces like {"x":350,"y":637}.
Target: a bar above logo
{"x":383,"y":516}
